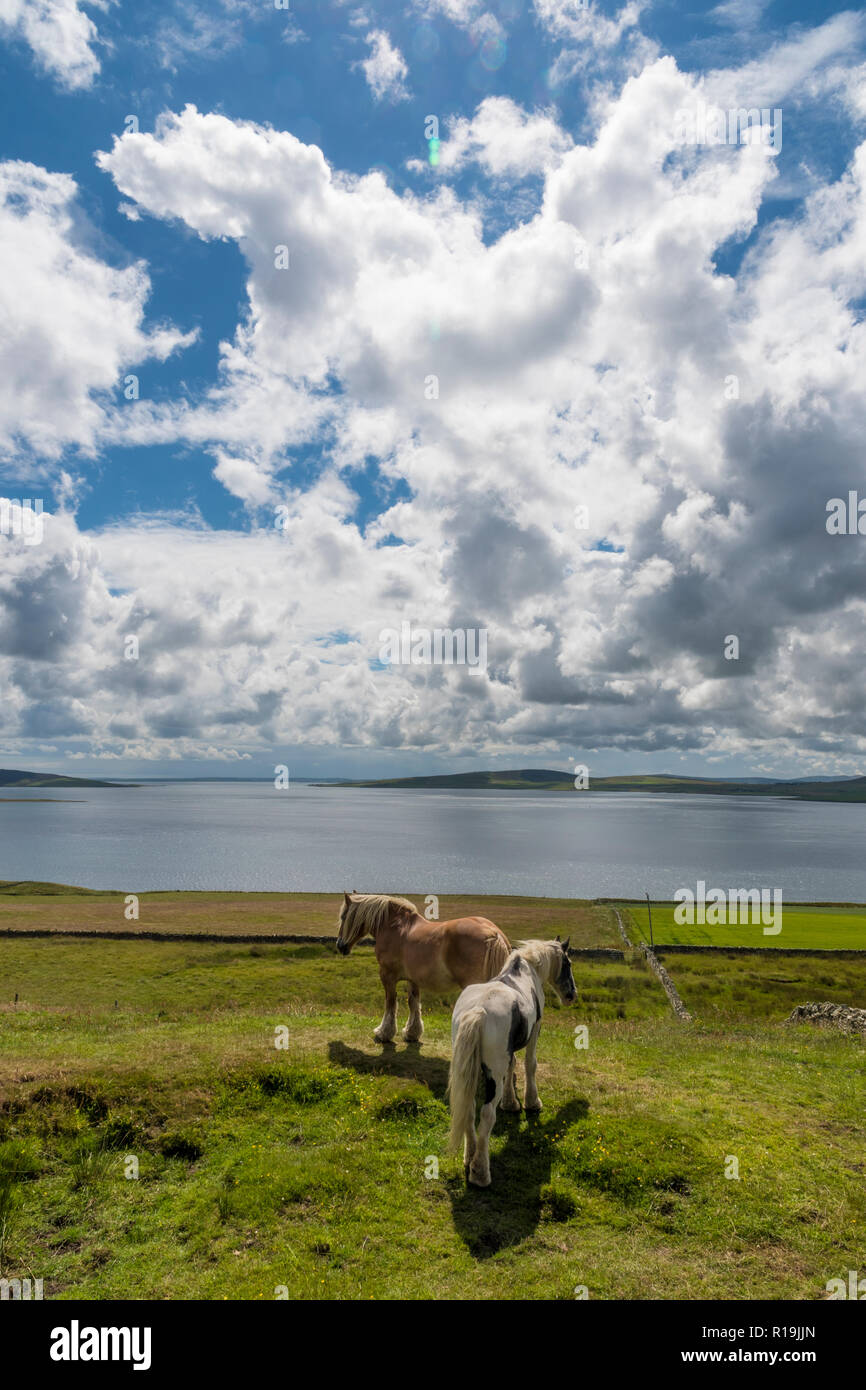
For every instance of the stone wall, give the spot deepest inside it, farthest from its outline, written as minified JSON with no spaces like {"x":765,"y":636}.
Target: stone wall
{"x":843,"y":1016}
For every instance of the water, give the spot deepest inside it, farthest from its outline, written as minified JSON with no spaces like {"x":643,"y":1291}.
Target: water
{"x":551,"y":844}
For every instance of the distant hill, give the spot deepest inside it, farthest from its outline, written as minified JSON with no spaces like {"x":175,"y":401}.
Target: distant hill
{"x":545,"y":779}
{"x":10,"y":777}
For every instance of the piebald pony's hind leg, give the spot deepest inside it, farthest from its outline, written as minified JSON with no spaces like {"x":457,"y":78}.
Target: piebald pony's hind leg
{"x":510,"y":1100}
{"x":388,"y":1027}
{"x":470,"y":1143}
{"x":479,"y":1168}
{"x":414,"y":1030}
{"x":530,"y":1099}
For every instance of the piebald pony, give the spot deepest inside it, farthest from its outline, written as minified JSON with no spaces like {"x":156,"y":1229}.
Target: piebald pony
{"x":489,"y":1024}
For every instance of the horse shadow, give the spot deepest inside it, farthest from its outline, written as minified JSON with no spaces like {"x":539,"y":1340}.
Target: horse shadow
{"x":496,"y":1217}
{"x":409,"y":1062}
{"x":493,"y":1218}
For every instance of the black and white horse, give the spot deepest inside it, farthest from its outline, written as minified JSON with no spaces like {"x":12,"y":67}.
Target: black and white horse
{"x":489,"y":1024}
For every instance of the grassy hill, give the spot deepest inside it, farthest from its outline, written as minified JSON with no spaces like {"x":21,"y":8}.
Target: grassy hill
{"x":12,"y":777}
{"x":546,"y":779}
{"x":310,"y":1168}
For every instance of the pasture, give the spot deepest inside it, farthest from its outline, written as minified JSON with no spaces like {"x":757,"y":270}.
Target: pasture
{"x":57,"y":907}
{"x":804,"y":926}
{"x":313,"y":1168}
{"x":762,"y":985}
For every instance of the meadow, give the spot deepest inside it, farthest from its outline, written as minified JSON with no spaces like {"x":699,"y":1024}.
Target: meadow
{"x":59,"y":907}
{"x":808,"y":926}
{"x":214,"y":1120}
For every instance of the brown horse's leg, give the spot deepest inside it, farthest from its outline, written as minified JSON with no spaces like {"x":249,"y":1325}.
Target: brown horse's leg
{"x":414,"y":1030}
{"x":388,"y":1027}
{"x":510,"y":1099}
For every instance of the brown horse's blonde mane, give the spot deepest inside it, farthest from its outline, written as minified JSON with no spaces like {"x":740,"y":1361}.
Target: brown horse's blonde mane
{"x":368,"y":912}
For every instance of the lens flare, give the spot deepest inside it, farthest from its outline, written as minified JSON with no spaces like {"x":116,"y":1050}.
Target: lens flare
{"x":493,"y":53}
{"x":425,"y":42}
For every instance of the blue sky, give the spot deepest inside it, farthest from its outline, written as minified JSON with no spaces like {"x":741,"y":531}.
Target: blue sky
{"x":257,"y":393}
{"x":152,"y":59}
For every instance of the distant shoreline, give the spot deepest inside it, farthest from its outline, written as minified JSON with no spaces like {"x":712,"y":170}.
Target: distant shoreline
{"x":834,"y":789}
{"x":33,"y":888}
{"x":851,"y":790}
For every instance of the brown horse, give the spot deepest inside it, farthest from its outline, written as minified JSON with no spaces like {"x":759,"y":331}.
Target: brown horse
{"x":430,"y":955}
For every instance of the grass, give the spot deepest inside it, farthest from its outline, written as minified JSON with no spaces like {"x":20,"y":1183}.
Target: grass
{"x":804,"y":925}
{"x":60,"y":907}
{"x":150,"y":984}
{"x":718,"y":986}
{"x":163,"y":1146}
{"x":57,"y":907}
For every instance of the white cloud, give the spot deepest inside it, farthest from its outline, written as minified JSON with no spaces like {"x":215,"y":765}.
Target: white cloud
{"x":504,"y":140}
{"x":60,"y":35}
{"x":458,"y":11}
{"x":739,"y":14}
{"x":583,"y":357}
{"x":789,"y":67}
{"x":578,"y":19}
{"x":73,"y":322}
{"x":594,"y":43}
{"x":385,"y":69}
{"x":189,"y":29}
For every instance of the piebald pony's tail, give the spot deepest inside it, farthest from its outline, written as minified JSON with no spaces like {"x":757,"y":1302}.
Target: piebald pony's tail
{"x":464,"y":1074}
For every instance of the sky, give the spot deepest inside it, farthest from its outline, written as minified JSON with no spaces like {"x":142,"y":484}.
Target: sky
{"x":324,"y":322}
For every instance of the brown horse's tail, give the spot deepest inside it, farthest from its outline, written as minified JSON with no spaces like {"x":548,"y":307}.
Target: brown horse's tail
{"x":496,"y":953}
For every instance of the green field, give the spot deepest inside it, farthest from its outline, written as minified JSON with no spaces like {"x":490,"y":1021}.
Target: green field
{"x":58,"y":907}
{"x":311,"y":1168}
{"x":716,"y":986}
{"x":804,"y":926}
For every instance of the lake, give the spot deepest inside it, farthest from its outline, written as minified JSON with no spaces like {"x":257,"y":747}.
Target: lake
{"x":249,"y":836}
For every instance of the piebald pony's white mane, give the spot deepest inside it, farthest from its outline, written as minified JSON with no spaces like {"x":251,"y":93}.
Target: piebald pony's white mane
{"x":543,"y":956}
{"x":367,"y":912}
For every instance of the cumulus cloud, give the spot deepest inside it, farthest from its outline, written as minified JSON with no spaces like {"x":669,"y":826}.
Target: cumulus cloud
{"x":385,"y":69}
{"x":73,"y":322}
{"x":504,"y":140}
{"x":592,"y":41}
{"x":61,"y":37}
{"x":589,"y":440}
